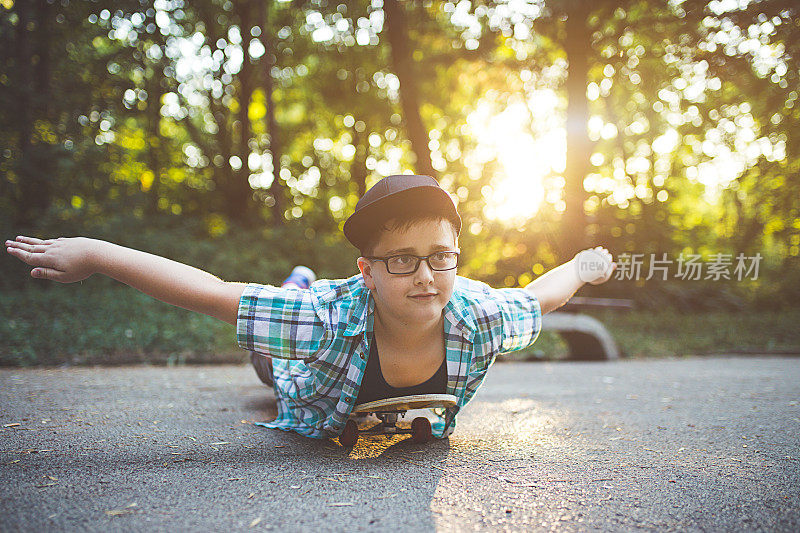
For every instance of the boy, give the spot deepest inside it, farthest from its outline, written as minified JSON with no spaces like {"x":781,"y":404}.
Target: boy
{"x":406,"y":324}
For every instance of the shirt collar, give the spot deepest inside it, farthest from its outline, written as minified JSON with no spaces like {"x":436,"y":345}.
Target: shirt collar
{"x":457,"y":317}
{"x":358,"y":314}
{"x":359,"y":318}
{"x":361,"y":313}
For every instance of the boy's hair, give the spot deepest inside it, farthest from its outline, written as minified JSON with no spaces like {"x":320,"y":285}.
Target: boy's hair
{"x":401,"y":221}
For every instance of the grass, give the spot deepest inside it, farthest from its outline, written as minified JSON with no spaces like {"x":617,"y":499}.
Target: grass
{"x":91,"y":323}
{"x":67,"y":324}
{"x":671,"y":333}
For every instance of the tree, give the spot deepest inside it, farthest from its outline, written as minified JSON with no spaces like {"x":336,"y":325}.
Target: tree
{"x":402,"y":47}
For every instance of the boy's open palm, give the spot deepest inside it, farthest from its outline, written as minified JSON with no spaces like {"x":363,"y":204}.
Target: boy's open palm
{"x":64,"y":259}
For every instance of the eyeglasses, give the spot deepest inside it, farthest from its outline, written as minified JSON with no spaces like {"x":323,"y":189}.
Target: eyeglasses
{"x":408,"y":264}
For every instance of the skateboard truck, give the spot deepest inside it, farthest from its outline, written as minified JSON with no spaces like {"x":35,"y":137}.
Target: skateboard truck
{"x":389,"y":410}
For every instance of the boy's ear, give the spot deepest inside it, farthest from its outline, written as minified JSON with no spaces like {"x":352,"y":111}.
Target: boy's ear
{"x":365,"y":266}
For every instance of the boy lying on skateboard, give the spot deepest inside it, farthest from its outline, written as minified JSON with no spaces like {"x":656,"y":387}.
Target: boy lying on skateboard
{"x":406,"y":324}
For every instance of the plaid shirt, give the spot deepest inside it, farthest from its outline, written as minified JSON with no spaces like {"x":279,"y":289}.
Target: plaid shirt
{"x":318,"y":339}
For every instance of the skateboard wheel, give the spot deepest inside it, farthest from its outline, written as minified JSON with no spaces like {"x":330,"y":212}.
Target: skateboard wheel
{"x":420,"y":430}
{"x":349,"y":435}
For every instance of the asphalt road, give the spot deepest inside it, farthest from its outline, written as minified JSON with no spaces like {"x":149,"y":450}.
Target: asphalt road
{"x":705,"y":444}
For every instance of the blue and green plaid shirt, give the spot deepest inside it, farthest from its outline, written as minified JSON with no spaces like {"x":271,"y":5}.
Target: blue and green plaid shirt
{"x":319,"y":341}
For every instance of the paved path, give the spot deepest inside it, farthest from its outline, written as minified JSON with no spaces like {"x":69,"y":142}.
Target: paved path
{"x":692,"y":445}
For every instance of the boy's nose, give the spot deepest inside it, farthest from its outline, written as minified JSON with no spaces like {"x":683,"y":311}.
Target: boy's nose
{"x":424,"y":274}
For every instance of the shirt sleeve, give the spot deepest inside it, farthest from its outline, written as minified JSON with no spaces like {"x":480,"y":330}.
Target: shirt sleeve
{"x":521,"y":317}
{"x":279,"y":322}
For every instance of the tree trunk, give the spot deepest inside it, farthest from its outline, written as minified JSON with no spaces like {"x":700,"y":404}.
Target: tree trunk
{"x":45,"y":13}
{"x":224,"y":144}
{"x":579,"y":51}
{"x":240,"y":191}
{"x":748,"y":229}
{"x":358,"y":168}
{"x":33,"y":190}
{"x":397,"y":34}
{"x":155,"y":144}
{"x":154,"y":141}
{"x":276,"y":189}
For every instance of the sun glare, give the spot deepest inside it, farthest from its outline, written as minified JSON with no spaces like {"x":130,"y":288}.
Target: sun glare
{"x":525,"y":156}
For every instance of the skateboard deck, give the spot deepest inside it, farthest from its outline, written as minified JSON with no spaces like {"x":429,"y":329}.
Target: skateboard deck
{"x":388,"y":410}
{"x":401,"y":404}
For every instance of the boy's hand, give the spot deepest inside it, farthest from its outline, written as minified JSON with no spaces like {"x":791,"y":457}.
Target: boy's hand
{"x":556,"y":287}
{"x":595,"y":265}
{"x":64,"y":259}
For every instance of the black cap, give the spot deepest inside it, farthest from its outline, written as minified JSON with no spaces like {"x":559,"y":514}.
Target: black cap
{"x":394,"y":195}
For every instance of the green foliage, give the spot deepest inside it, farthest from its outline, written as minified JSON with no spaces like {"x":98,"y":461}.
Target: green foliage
{"x":105,"y":132}
{"x":89,"y":323}
{"x":263,"y":255}
{"x":676,"y":333}
{"x":101,"y":321}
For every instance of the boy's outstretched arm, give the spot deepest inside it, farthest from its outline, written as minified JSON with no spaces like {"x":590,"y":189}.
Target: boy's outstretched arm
{"x":555,"y":287}
{"x":67,"y":260}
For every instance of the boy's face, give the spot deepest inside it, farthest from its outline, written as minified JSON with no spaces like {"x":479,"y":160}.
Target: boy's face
{"x":398,"y":296}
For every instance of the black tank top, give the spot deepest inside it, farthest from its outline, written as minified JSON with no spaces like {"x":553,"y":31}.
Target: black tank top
{"x":374,"y":386}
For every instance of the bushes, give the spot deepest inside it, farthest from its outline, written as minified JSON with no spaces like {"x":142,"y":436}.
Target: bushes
{"x":668,"y":332}
{"x":102,"y":321}
{"x":86,"y":324}
{"x":77,"y":324}
{"x":263,"y":255}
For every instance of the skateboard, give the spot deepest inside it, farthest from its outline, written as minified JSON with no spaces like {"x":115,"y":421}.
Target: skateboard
{"x":389,"y":410}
